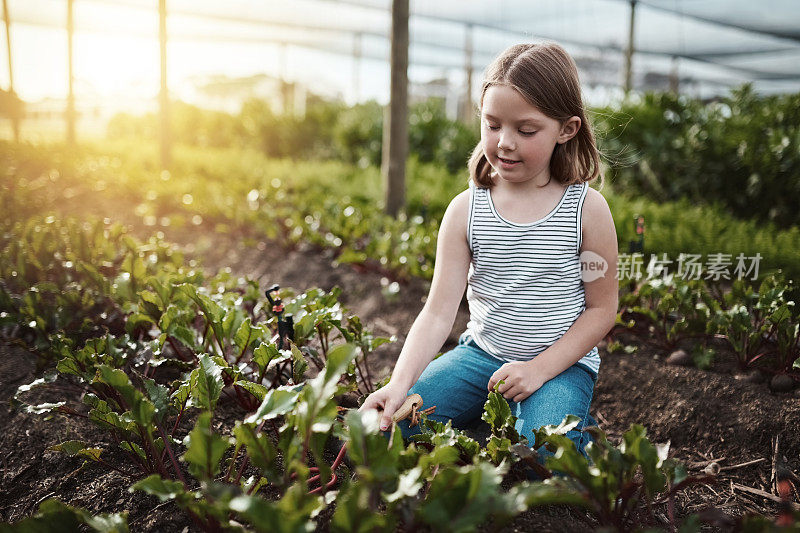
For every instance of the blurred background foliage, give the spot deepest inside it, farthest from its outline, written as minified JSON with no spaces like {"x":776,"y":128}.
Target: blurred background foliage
{"x":740,"y":153}
{"x":327,"y":130}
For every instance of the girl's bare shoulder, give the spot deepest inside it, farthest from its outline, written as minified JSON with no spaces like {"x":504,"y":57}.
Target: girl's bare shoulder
{"x":597,"y":223}
{"x":455,"y":220}
{"x":595,"y":206}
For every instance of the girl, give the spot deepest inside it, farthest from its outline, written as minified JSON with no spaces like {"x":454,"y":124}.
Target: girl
{"x":516,"y":240}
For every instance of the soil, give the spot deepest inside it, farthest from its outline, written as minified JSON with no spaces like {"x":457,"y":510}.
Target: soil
{"x":716,"y":415}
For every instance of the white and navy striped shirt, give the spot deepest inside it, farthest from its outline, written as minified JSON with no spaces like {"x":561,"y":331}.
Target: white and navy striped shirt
{"x":524,"y":284}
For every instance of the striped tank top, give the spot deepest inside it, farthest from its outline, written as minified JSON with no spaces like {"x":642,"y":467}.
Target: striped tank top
{"x":524,"y":284}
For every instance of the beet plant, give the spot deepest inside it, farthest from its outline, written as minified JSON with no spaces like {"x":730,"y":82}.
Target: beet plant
{"x":619,"y":485}
{"x":760,"y":323}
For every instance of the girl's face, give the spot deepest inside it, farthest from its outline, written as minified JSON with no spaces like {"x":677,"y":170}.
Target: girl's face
{"x":517,"y":138}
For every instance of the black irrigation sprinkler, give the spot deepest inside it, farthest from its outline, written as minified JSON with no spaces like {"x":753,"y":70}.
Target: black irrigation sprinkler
{"x":638,"y":244}
{"x":285,"y":322}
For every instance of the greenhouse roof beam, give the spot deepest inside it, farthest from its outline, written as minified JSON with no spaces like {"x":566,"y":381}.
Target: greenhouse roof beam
{"x":792,"y":36}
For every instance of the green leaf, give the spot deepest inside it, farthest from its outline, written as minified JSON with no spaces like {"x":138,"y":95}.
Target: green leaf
{"x":102,"y":415}
{"x":300,"y":365}
{"x":542,"y":434}
{"x":276,"y":402}
{"x":496,"y":411}
{"x":180,"y":398}
{"x":408,"y":485}
{"x":260,"y":449}
{"x":293,"y":513}
{"x":339,"y":357}
{"x":207,"y":383}
{"x":353,"y":512}
{"x":213,"y":312}
{"x":140,"y":408}
{"x":134,"y":449}
{"x":552,"y":491}
{"x":264,"y":354}
{"x":137,"y":320}
{"x":150,"y":306}
{"x":461,"y":498}
{"x":43,"y":408}
{"x":54,"y":516}
{"x":247,"y":334}
{"x":366,"y":446}
{"x":259,"y":391}
{"x":159,"y":396}
{"x":76,"y":447}
{"x":204,"y":448}
{"x":163,"y":489}
{"x":169,"y":318}
{"x":186,"y":336}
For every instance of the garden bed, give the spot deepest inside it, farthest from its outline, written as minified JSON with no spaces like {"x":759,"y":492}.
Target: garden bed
{"x":712,"y":415}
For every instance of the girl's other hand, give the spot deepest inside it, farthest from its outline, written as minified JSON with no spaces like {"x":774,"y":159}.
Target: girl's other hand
{"x":521,"y":380}
{"x":388,"y":399}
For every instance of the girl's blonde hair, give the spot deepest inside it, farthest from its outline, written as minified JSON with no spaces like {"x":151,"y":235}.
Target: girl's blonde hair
{"x":547,"y":77}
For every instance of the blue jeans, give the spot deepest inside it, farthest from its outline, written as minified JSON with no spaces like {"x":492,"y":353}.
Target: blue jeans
{"x":456,"y":383}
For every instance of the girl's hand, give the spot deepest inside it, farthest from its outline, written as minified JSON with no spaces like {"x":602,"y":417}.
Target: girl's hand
{"x":521,"y":380}
{"x":388,"y":398}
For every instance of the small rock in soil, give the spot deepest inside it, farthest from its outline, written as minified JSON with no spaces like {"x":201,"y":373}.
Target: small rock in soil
{"x":752,"y":376}
{"x":781,"y":383}
{"x":680,"y":358}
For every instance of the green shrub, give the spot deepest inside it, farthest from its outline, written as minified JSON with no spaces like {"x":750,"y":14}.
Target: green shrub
{"x":741,"y":152}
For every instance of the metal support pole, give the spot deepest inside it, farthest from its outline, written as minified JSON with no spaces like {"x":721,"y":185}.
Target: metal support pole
{"x":468,"y":111}
{"x":166,"y":140}
{"x":71,"y":75}
{"x":11,"y":93}
{"x":357,"y":67}
{"x":674,"y":76}
{"x":629,"y":50}
{"x":395,"y":127}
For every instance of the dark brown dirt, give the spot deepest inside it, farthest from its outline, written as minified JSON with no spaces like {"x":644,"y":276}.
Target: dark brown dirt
{"x":705,"y":415}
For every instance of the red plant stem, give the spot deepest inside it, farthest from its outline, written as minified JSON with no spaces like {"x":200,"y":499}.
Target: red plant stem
{"x":247,"y":458}
{"x":239,"y":398}
{"x":219,"y":343}
{"x":246,"y":344}
{"x":180,"y":414}
{"x":175,"y":349}
{"x":360,"y":371}
{"x":172,"y":456}
{"x":147,"y":469}
{"x":151,"y":451}
{"x":241,"y":471}
{"x":109,"y":465}
{"x":365,"y":377}
{"x":334,"y":466}
{"x":319,"y":337}
{"x":228,"y":394}
{"x":671,"y":511}
{"x":233,"y":462}
{"x":71,"y":412}
{"x":205,"y":332}
{"x":278,"y":372}
{"x":364,"y":354}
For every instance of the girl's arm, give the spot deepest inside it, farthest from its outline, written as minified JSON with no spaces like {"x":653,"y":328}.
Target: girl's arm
{"x":602,"y":299}
{"x":434,"y":322}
